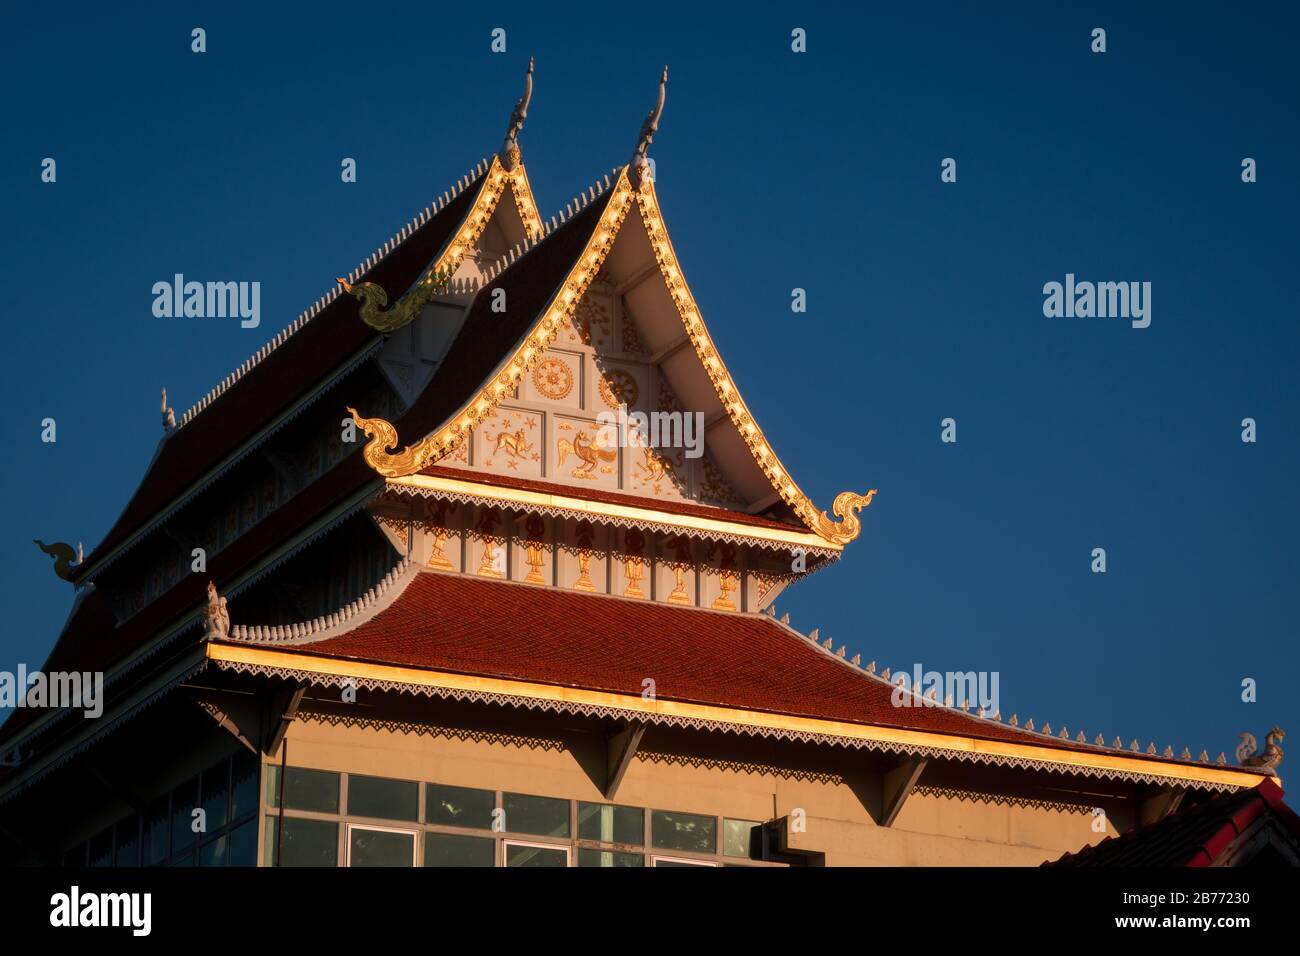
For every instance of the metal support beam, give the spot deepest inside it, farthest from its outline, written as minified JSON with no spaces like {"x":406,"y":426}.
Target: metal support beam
{"x":1155,"y":803}
{"x":284,"y":708}
{"x":896,"y":786}
{"x":620,"y":747}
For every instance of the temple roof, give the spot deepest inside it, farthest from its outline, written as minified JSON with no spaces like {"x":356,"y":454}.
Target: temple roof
{"x":1198,"y":835}
{"x":748,"y":663}
{"x":321,"y":344}
{"x":494,"y":351}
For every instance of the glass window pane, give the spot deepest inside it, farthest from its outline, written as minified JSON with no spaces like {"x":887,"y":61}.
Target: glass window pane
{"x":101,"y":848}
{"x":185,"y":800}
{"x":535,"y":856}
{"x":459,"y":806}
{"x":157,"y":828}
{"x":662,"y":862}
{"x":216,"y":796}
{"x":742,"y":838}
{"x":611,"y":824}
{"x":214,"y":852}
{"x":448,"y":849}
{"x":380,"y":847}
{"x":683,"y":831}
{"x":380,"y":797}
{"x":609,"y":858}
{"x":306,"y":842}
{"x":243,"y":845}
{"x":543,"y":816}
{"x":304,"y":789}
{"x":243,"y":785}
{"x":128,"y":841}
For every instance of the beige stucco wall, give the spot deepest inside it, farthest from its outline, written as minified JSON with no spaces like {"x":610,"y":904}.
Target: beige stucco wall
{"x":965,"y":823}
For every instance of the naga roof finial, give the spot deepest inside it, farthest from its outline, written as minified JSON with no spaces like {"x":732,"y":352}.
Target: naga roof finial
{"x":639,"y":170}
{"x":510,"y":148}
{"x":65,"y":558}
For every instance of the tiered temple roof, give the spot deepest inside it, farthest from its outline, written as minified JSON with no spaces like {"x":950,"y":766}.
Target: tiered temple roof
{"x":448,"y":631}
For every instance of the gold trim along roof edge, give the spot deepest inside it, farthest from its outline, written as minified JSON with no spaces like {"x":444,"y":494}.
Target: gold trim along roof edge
{"x":437,"y":485}
{"x":710,"y":717}
{"x":411,"y":459}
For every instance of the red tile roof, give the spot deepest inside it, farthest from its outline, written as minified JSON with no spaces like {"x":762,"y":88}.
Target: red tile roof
{"x":481,"y":627}
{"x":613,"y":497}
{"x":1195,"y":836}
{"x":319,"y":347}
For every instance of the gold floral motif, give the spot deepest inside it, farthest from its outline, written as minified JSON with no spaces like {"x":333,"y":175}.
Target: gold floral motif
{"x":589,"y":318}
{"x":618,"y":387}
{"x":553,"y":378}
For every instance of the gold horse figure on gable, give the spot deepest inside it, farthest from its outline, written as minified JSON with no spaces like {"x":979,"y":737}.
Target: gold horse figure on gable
{"x":516,"y":445}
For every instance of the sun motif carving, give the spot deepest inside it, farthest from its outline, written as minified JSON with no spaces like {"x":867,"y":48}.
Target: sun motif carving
{"x":618,"y":387}
{"x":553,"y":378}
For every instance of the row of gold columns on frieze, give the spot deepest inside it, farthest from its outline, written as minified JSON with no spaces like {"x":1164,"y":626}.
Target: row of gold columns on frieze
{"x":487,"y":540}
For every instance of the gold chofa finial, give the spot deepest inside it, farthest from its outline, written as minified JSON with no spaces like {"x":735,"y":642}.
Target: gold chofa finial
{"x":510,"y":148}
{"x":640,"y":170}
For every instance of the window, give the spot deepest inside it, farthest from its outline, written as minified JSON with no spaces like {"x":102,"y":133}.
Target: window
{"x":540,"y":816}
{"x":535,"y":854}
{"x":243,"y":843}
{"x":215,"y":852}
{"x":101,"y":848}
{"x":156,"y":830}
{"x":383,"y":798}
{"x":742,"y":838}
{"x":380,"y":846}
{"x":459,"y":806}
{"x":185,"y":799}
{"x":216,"y":796}
{"x":128,"y":842}
{"x":315,"y":790}
{"x":684,"y":831}
{"x":306,"y":842}
{"x":606,"y":823}
{"x":609,"y":858}
{"x":671,"y":861}
{"x":244,"y":772}
{"x":449,"y":849}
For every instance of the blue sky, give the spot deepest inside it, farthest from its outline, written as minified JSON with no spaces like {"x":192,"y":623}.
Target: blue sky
{"x":775,"y":170}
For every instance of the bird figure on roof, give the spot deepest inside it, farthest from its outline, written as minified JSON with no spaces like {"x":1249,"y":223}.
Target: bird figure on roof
{"x":65,"y":558}
{"x":510,"y":154}
{"x":1248,"y":754}
{"x":216,"y":619}
{"x":168,"y":416}
{"x":640,"y":170}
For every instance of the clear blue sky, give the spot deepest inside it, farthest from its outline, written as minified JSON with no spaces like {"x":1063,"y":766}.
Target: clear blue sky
{"x":775,"y":170}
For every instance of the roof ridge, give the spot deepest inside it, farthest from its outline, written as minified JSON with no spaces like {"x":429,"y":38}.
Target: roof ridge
{"x":929,"y":700}
{"x":382,"y":252}
{"x":374,"y":600}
